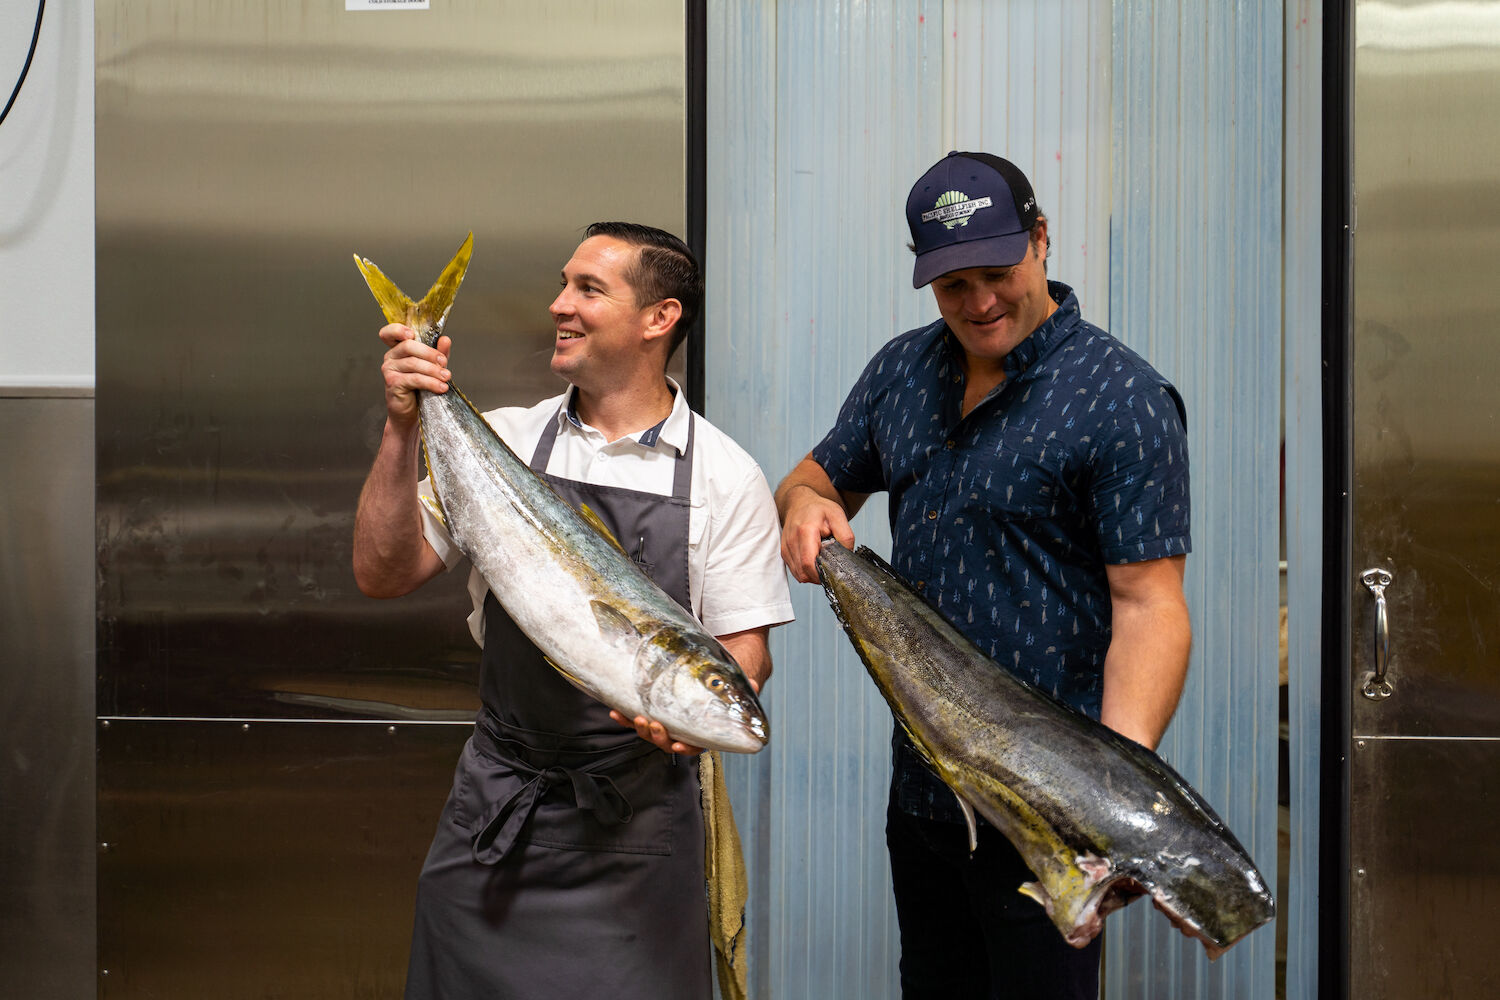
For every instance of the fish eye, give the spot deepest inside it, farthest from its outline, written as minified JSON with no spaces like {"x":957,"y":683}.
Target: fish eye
{"x":715,"y":681}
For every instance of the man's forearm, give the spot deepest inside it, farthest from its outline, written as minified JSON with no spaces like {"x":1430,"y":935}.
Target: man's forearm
{"x":806,"y":475}
{"x":1145,"y":670}
{"x":391,"y":557}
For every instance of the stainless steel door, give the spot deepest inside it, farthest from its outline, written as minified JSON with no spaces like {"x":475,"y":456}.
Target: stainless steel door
{"x":273,"y":746}
{"x":1425,"y":518}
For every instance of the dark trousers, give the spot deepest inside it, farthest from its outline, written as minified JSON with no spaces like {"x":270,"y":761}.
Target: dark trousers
{"x":965,"y":930}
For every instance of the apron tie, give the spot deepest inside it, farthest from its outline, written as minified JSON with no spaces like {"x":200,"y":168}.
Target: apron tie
{"x":594,"y":791}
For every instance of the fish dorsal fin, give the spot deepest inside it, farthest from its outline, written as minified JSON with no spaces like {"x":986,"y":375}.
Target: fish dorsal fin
{"x":968,"y":812}
{"x":426,"y":317}
{"x":597,"y":523}
{"x":613,"y":625}
{"x":436,"y":507}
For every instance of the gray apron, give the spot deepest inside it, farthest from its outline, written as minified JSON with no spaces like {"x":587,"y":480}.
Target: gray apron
{"x":569,"y":858}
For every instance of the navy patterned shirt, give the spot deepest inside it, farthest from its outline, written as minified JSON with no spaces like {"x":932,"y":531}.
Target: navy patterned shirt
{"x":1004,"y":519}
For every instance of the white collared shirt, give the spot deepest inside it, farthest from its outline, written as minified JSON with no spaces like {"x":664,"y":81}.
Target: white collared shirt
{"x":736,"y":579}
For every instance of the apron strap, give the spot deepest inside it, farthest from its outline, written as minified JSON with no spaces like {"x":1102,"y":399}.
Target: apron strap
{"x":682,"y":475}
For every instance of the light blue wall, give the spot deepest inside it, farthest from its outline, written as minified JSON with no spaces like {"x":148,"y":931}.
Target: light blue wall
{"x":1195,"y":269}
{"x":1302,"y":250}
{"x":1153,"y":134}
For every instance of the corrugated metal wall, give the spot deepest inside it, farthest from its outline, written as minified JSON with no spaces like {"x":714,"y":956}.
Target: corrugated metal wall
{"x":820,"y":116}
{"x":1196,"y":286}
{"x":1302,"y":250}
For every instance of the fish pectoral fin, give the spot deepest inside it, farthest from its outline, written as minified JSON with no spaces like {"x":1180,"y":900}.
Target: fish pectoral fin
{"x":1034,"y":890}
{"x":597,"y":523}
{"x":566,"y":675}
{"x":613,"y":625}
{"x":968,"y":812}
{"x":436,"y":507}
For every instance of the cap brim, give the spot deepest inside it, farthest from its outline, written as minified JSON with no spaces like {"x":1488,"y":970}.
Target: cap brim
{"x":997,"y":251}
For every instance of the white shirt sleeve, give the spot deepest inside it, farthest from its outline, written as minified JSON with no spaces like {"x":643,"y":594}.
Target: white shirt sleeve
{"x":744,"y":580}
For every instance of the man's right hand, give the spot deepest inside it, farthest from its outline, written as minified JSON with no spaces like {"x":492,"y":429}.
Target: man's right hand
{"x":811,"y":510}
{"x":409,"y":366}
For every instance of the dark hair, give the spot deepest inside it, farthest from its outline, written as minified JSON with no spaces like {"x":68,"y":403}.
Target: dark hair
{"x":664,"y":269}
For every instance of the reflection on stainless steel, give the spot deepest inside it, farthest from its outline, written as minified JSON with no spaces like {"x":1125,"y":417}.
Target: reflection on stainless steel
{"x":244,"y":152}
{"x":1426,"y":417}
{"x":263,"y":859}
{"x":46,"y":698}
{"x":1423,"y":909}
{"x":1426,"y":455}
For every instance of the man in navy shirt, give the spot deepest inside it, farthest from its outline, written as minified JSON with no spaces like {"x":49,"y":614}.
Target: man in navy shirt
{"x":1038,"y":480}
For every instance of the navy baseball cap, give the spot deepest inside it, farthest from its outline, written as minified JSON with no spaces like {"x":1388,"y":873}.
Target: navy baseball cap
{"x":969,"y":210}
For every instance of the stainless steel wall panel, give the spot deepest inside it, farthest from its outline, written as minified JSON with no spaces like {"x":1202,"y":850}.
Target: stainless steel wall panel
{"x":1195,"y":265}
{"x":1425,"y":454}
{"x":46,"y":695}
{"x":1427,"y":466}
{"x":245,"y":152}
{"x":1422,"y":885}
{"x":247,"y":860}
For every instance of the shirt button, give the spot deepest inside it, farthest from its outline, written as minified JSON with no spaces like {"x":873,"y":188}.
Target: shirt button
{"x":603,"y":457}
{"x":949,"y":445}
{"x":921,"y":584}
{"x":932,"y":515}
{"x":957,"y":379}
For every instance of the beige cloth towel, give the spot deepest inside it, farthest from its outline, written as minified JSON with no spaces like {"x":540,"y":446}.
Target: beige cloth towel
{"x":728,"y":887}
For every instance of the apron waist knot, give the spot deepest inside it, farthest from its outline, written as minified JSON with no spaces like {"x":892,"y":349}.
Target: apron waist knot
{"x":496,"y":832}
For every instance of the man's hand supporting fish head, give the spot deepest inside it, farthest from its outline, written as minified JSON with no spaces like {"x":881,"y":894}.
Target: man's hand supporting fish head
{"x":750,"y":649}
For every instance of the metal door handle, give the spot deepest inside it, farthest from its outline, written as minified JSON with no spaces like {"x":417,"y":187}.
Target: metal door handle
{"x":1377,"y":688}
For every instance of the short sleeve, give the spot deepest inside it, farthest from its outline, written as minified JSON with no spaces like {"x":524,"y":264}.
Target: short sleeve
{"x":1140,"y":484}
{"x":744,"y":581}
{"x":848,"y":453}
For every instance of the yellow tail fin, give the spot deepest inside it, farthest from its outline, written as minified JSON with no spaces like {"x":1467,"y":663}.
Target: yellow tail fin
{"x":426,"y":317}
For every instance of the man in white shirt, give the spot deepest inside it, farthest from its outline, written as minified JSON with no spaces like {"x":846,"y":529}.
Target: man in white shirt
{"x":569,"y":860}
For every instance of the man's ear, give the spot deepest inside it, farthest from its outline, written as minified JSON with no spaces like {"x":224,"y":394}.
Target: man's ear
{"x":662,"y":318}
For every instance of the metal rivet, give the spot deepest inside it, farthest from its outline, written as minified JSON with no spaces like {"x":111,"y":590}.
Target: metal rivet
{"x":391,"y":730}
{"x":245,"y":728}
{"x":1360,"y":872}
{"x":104,"y":724}
{"x":104,"y":846}
{"x":1360,"y":744}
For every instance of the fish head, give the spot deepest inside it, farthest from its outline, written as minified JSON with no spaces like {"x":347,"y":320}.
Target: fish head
{"x":689,"y":683}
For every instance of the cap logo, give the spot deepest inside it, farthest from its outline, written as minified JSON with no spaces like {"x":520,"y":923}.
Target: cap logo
{"x":953,"y":208}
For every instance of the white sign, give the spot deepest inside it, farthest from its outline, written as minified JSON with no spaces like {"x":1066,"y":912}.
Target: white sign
{"x":387,"y":4}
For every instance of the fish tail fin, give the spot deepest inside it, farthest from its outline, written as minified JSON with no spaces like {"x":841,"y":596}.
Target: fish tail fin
{"x":439,"y":298}
{"x":426,"y":317}
{"x":395,"y":303}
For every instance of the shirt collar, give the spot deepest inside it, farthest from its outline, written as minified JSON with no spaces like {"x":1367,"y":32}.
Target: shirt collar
{"x":1053,"y":329}
{"x":670,"y":431}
